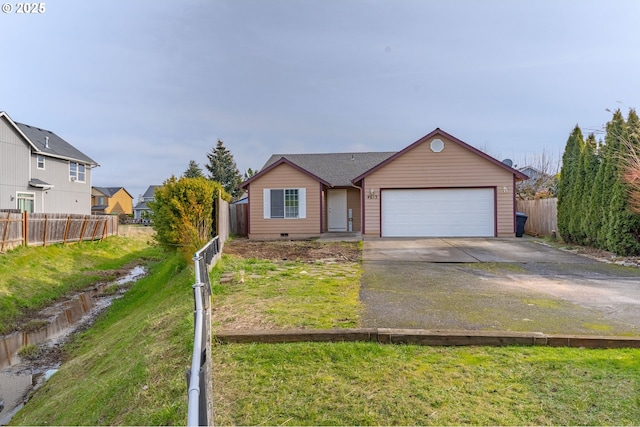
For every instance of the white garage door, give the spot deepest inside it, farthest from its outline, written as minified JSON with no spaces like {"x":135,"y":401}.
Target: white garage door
{"x":459,"y":212}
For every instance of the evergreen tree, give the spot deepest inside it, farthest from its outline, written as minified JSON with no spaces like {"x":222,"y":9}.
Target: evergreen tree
{"x":596,"y":212}
{"x":580,"y":187}
{"x":632,"y":163}
{"x":222,"y":168}
{"x":566,"y":185}
{"x":611,"y":179}
{"x":589,"y":162}
{"x":193,"y":171}
{"x":623,"y":231}
{"x":249,"y":173}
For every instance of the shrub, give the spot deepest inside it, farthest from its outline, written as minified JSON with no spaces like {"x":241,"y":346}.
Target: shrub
{"x":182,"y":212}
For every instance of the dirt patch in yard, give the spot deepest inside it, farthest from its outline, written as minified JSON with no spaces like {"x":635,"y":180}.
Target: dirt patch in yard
{"x":294,"y":250}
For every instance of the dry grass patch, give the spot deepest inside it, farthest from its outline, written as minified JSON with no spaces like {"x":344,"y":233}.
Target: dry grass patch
{"x":263,"y":294}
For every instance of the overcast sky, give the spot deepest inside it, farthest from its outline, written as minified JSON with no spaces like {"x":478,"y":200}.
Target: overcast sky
{"x":144,"y":86}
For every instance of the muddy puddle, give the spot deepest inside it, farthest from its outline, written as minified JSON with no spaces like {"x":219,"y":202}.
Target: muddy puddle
{"x":20,"y":375}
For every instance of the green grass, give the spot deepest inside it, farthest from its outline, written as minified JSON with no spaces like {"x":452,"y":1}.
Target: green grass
{"x":29,"y":352}
{"x":265,"y":294}
{"x":129,"y":367}
{"x":34,"y":277}
{"x":372,"y":384}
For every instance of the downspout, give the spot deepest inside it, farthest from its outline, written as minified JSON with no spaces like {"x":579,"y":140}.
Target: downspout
{"x":321,"y":208}
{"x":248,"y":210}
{"x":515,"y":203}
{"x":361,"y":207}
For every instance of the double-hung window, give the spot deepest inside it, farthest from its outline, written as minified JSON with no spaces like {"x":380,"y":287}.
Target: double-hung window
{"x":285,"y":203}
{"x":40,"y":161}
{"x":77,"y":172}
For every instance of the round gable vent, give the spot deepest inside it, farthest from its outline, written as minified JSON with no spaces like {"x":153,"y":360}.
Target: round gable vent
{"x":437,"y":145}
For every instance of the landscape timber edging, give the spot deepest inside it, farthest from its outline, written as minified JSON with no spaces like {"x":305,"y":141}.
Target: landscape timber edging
{"x":424,"y":337}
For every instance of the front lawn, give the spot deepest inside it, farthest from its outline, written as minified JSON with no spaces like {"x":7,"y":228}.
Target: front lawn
{"x":373,"y":384}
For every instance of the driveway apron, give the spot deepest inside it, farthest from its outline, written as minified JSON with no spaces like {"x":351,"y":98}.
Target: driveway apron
{"x":495,"y":284}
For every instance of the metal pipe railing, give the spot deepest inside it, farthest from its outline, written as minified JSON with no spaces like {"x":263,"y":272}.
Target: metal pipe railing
{"x":200,"y":409}
{"x":193,"y":416}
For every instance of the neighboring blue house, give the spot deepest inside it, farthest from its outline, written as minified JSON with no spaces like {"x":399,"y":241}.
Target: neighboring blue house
{"x":141,"y":208}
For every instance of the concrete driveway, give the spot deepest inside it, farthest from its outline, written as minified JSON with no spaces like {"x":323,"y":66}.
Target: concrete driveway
{"x":495,"y":284}
{"x":460,"y":250}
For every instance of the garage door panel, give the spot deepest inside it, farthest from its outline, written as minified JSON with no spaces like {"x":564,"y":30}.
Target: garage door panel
{"x":460,"y":212}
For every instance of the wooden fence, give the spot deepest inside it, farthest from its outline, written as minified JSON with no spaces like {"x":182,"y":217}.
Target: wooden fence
{"x":542,"y":216}
{"x":39,"y":229}
{"x":239,"y":219}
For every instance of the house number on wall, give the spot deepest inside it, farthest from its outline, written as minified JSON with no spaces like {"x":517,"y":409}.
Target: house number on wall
{"x":372,"y":196}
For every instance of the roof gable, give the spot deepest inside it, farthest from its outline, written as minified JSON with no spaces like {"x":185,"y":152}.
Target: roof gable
{"x":4,"y":115}
{"x":151,"y":191}
{"x":274,"y":162}
{"x":111,"y":191}
{"x":436,"y":132}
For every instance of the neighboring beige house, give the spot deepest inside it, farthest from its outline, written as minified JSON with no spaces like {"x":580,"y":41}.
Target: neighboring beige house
{"x":41,"y":172}
{"x":439,"y":186}
{"x":111,"y":200}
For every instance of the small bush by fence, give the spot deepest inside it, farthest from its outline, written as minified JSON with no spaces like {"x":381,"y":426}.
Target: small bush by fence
{"x":542,"y":216}
{"x":41,"y":229}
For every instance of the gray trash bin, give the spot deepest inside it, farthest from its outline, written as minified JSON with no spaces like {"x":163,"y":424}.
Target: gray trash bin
{"x":521,"y":219}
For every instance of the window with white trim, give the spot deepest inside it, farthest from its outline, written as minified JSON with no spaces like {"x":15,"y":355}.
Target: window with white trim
{"x":77,"y":172}
{"x":26,"y":202}
{"x":40,"y":161}
{"x":285,"y":203}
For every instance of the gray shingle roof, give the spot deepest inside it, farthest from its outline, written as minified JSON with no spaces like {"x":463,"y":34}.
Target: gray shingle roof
{"x":141,"y":206}
{"x":57,"y":147}
{"x":151,"y":191}
{"x":336,"y":168}
{"x":108,"y":191}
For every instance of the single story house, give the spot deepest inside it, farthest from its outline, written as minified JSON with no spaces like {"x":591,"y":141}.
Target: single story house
{"x":439,"y":186}
{"x":40,"y":172}
{"x":111,"y":200}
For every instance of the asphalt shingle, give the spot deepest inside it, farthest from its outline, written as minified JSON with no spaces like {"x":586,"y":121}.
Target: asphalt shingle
{"x":50,"y":143}
{"x":336,"y":168}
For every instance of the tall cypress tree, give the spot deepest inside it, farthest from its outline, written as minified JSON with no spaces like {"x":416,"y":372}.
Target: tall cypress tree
{"x":611,"y":181}
{"x":596,"y":211}
{"x":589,"y":162}
{"x":623,"y":230}
{"x":566,"y":185}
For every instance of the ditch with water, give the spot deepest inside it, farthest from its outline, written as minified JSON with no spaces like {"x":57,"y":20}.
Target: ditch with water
{"x":19,"y":376}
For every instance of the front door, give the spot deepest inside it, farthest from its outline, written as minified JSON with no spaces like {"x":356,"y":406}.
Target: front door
{"x":337,"y":210}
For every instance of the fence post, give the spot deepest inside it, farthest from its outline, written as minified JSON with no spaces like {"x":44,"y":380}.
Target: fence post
{"x":84,"y":226}
{"x":66,"y":229}
{"x":6,"y":231}
{"x":44,"y":231}
{"x":104,"y":228}
{"x":25,"y":228}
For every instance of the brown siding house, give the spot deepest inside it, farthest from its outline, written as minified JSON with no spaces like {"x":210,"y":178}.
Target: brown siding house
{"x":439,"y":186}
